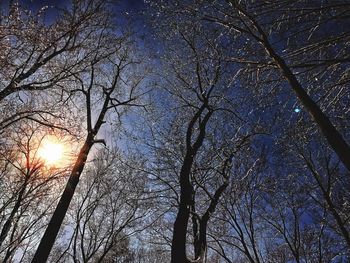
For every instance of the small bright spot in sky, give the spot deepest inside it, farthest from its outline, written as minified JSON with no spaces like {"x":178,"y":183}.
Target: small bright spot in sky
{"x":297,"y":110}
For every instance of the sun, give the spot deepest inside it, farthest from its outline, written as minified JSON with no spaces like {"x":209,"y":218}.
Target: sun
{"x":51,"y":151}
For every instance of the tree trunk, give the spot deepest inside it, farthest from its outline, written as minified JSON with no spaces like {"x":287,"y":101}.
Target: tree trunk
{"x":201,"y":244}
{"x":332,"y":135}
{"x":7,"y":226}
{"x":326,"y":195}
{"x":52,"y":229}
{"x":178,"y":246}
{"x":334,"y":138}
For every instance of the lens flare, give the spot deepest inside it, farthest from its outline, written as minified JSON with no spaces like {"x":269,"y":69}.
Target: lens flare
{"x":51,"y":152}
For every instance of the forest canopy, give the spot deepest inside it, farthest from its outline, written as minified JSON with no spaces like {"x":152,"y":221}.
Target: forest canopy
{"x":175,"y":131}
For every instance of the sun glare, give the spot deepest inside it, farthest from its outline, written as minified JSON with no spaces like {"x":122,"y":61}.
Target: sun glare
{"x":51,"y":152}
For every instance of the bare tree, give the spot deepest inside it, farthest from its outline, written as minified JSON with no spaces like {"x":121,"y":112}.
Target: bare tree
{"x":193,"y":161}
{"x":106,"y":211}
{"x":240,"y":155}
{"x":24,"y":183}
{"x":280,"y":45}
{"x":41,"y":51}
{"x":109,"y":84}
{"x":37,"y":55}
{"x":313,"y":56}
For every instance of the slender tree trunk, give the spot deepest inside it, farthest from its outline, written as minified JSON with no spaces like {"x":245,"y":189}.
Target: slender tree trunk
{"x":340,"y":222}
{"x":326,"y":195}
{"x":195,"y":228}
{"x":52,"y":229}
{"x":201,"y":246}
{"x":9,"y":252}
{"x":7,"y":226}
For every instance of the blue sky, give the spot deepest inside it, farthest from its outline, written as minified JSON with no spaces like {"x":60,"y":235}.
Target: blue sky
{"x":131,"y":5}
{"x":129,"y":8}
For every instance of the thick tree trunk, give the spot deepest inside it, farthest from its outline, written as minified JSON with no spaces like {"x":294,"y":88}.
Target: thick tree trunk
{"x":178,"y":247}
{"x":334,"y":138}
{"x":332,"y":135}
{"x":52,"y":229}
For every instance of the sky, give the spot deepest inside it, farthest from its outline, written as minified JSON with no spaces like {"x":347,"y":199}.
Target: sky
{"x":128,"y":5}
{"x":131,"y":8}
{"x":34,"y":4}
{"x":38,"y":3}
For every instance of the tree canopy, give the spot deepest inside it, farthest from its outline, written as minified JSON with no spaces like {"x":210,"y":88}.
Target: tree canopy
{"x":175,"y":131}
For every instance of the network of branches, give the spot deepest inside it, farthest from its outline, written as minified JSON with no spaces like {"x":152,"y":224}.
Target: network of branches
{"x":175,"y":131}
